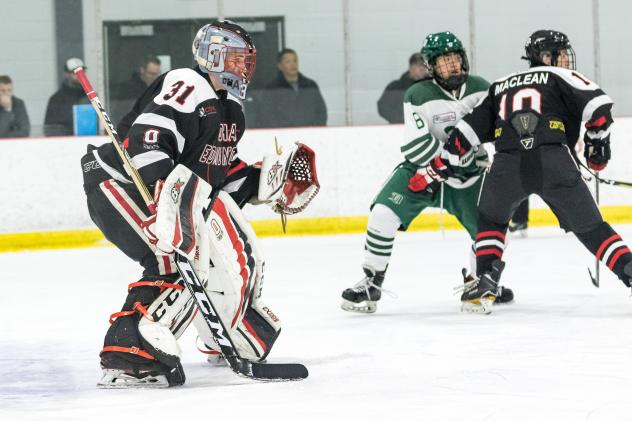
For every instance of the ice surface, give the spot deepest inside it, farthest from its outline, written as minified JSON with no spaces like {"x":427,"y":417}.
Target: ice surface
{"x":560,"y":352}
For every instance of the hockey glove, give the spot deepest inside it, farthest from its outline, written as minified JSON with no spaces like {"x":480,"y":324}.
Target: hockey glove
{"x":427,"y":179}
{"x":597,"y":138}
{"x":597,"y":152}
{"x":458,"y":150}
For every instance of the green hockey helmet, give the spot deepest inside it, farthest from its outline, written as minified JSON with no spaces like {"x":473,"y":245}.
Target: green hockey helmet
{"x":441,"y":43}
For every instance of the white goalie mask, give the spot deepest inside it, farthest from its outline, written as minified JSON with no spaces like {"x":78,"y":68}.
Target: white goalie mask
{"x":226,"y":49}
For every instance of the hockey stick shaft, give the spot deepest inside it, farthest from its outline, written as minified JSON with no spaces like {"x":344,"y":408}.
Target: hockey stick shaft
{"x":596,"y":200}
{"x":113,"y":135}
{"x":191,"y":281}
{"x":606,"y":180}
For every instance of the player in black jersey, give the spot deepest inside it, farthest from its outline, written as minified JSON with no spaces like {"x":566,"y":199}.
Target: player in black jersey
{"x":186,"y":126}
{"x":534,"y":118}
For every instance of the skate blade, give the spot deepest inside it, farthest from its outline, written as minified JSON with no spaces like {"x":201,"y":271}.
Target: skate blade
{"x":217,"y":360}
{"x":478,"y":306}
{"x":117,"y":379}
{"x":362,"y":307}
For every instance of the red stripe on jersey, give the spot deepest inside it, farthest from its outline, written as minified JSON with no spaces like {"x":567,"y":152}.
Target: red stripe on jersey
{"x":497,"y":234}
{"x":489,"y":251}
{"x":605,"y":244}
{"x":121,"y":200}
{"x":232,"y":171}
{"x":254,"y":334}
{"x":619,"y":253}
{"x":220,"y":209}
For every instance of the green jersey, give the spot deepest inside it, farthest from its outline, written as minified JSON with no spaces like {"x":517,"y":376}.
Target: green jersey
{"x":430,"y":113}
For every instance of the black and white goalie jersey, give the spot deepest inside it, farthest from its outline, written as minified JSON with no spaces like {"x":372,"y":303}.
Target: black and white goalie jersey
{"x":541,"y":105}
{"x":187,"y":122}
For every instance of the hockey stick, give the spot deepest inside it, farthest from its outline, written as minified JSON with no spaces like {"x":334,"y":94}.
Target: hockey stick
{"x":113,"y":135}
{"x":243,"y":367}
{"x":608,"y":181}
{"x":595,"y":278}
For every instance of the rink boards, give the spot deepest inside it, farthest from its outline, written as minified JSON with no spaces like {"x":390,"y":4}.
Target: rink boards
{"x":43,"y":204}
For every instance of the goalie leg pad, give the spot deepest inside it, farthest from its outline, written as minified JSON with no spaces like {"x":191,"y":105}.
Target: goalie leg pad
{"x":235,"y":281}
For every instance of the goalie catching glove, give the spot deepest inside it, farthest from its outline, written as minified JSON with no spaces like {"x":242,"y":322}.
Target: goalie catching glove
{"x":288,"y":181}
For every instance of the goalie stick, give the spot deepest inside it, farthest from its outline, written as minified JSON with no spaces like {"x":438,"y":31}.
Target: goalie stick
{"x":241,"y":366}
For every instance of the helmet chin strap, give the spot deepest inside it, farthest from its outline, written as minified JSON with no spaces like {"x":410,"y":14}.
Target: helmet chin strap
{"x":216,"y":81}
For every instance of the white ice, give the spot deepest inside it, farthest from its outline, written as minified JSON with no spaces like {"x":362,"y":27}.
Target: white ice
{"x":560,"y":352}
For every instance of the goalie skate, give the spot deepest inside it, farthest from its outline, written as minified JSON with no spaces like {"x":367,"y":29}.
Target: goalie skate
{"x":119,"y":379}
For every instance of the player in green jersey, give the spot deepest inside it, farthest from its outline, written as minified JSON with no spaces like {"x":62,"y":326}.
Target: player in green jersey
{"x":432,"y":107}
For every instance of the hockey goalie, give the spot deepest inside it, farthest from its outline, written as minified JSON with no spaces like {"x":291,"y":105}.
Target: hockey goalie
{"x":141,"y":348}
{"x":183,"y":142}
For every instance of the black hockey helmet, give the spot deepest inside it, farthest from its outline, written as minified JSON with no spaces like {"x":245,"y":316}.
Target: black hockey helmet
{"x":545,"y":43}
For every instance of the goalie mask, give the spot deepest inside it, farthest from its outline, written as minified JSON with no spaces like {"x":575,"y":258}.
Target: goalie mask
{"x":549,"y":48}
{"x":226,"y":49}
{"x":444,"y":54}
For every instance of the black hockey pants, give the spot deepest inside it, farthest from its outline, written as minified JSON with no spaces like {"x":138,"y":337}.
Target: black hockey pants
{"x":550,"y":172}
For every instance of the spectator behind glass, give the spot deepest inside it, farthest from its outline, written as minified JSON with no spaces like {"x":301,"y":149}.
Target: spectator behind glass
{"x":58,"y":120}
{"x":14,"y":120}
{"x":125,"y":94}
{"x":390,"y":106}
{"x":291,"y":99}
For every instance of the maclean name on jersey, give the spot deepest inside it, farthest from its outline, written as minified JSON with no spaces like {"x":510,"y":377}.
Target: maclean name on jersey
{"x":540,"y":78}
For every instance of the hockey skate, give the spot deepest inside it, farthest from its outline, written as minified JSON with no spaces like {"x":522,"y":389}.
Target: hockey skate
{"x":363,"y":296}
{"x":480,"y":294}
{"x":121,"y":373}
{"x":505,"y":295}
{"x":518,"y":229}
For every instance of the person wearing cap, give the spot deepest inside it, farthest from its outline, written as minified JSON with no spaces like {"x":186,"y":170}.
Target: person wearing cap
{"x":390,"y":105}
{"x":58,"y":120}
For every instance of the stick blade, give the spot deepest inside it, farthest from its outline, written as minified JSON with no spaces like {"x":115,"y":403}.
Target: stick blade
{"x":273,"y":372}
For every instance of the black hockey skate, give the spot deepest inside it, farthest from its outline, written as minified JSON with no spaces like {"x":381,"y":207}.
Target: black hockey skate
{"x":120,"y":373}
{"x":504,"y":295}
{"x":518,"y":229}
{"x":364,"y":295}
{"x":480,"y":294}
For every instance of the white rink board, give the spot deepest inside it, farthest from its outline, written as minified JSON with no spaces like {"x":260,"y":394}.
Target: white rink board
{"x":42,"y":180}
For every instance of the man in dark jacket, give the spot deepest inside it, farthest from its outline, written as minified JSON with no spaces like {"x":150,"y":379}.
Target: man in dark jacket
{"x":125,"y":94}
{"x":291,"y":99}
{"x":390,"y":106}
{"x":58,"y":120}
{"x":14,"y":121}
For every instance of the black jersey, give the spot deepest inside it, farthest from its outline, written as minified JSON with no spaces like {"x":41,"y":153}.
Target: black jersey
{"x":541,"y":105}
{"x":188,"y":123}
